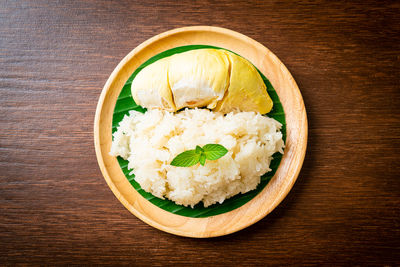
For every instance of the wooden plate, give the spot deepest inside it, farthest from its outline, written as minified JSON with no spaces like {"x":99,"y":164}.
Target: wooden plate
{"x":266,"y":200}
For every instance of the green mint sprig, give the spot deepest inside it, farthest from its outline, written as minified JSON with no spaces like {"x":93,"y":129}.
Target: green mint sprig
{"x":200,"y":154}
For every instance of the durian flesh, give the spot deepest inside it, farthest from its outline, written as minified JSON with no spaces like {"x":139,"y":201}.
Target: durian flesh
{"x":198,"y":78}
{"x":247,"y":90}
{"x":216,"y":79}
{"x":151,"y":89}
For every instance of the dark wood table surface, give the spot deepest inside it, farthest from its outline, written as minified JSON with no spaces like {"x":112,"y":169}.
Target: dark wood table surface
{"x":55,"y":207}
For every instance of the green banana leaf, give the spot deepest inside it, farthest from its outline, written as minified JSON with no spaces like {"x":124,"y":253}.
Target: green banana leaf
{"x":125,"y":103}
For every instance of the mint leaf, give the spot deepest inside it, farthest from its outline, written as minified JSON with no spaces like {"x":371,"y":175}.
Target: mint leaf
{"x":192,"y":157}
{"x":199,"y":150}
{"x":186,"y":159}
{"x":202,"y":159}
{"x":214,"y":151}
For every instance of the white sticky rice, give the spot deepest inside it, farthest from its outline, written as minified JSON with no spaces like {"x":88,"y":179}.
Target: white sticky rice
{"x":151,"y":140}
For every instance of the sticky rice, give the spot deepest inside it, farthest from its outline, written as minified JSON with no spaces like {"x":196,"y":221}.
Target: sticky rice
{"x":150,"y":141}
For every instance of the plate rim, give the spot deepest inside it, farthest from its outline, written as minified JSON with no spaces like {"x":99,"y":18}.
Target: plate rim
{"x":138,"y":207}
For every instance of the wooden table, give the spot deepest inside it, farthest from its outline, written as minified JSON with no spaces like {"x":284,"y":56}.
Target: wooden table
{"x":55,"y":205}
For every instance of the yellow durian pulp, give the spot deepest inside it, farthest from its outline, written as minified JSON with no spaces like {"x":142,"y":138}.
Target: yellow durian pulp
{"x":198,"y":78}
{"x":150,"y":88}
{"x":247,"y":91}
{"x":216,"y":79}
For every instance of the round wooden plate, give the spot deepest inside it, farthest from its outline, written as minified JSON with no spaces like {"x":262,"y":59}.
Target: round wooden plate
{"x":276,"y":189}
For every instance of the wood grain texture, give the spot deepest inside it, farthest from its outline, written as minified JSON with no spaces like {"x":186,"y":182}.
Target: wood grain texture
{"x":55,"y":206}
{"x":277,"y":188}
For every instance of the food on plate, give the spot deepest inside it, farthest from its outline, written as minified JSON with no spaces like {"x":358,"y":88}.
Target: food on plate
{"x":212,"y":78}
{"x":190,"y":155}
{"x":150,"y":141}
